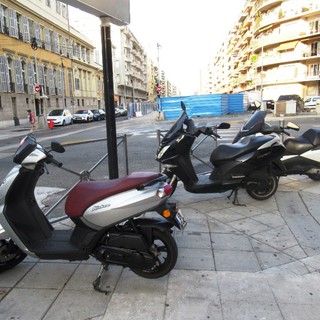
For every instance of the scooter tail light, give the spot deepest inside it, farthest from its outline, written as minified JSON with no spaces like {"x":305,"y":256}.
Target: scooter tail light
{"x":166,"y":191}
{"x":166,"y":213}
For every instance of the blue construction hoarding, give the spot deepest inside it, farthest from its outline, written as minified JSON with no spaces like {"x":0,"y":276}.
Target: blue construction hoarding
{"x":208,"y":105}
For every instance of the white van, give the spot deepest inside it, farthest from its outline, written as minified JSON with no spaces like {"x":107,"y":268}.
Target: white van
{"x":310,"y":103}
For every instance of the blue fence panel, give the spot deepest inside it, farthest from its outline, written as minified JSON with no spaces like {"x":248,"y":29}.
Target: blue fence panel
{"x":197,"y":106}
{"x":236,"y":103}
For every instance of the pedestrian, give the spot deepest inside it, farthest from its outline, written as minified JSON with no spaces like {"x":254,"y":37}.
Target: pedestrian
{"x":32,"y":120}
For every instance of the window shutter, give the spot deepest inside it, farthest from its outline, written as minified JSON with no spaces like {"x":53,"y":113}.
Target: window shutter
{"x":2,"y":26}
{"x":47,"y":39}
{"x":31,"y":79}
{"x":51,"y":82}
{"x":13,"y":24}
{"x":4,"y":75}
{"x":19,"y":78}
{"x":25,"y":29}
{"x":36,"y":27}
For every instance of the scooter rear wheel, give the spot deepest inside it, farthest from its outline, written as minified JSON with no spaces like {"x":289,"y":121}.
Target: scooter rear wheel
{"x":165,"y":251}
{"x":264,"y":190}
{"x":10,"y":255}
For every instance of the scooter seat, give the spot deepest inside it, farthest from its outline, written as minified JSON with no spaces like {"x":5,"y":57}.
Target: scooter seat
{"x":307,"y":141}
{"x":86,"y":193}
{"x":226,"y":152}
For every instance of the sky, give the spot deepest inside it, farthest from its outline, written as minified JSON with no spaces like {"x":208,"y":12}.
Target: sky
{"x":189,"y":34}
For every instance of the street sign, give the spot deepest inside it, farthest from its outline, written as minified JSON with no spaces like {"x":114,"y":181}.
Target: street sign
{"x":37,"y":89}
{"x":159,"y":88}
{"x":117,"y":10}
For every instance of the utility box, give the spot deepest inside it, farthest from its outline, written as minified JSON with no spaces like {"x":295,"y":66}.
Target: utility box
{"x":285,"y":107}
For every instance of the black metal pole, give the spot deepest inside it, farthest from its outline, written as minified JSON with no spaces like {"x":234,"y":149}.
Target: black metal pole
{"x":109,"y":97}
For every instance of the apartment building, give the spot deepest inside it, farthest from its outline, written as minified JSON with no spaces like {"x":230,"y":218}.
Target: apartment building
{"x":130,"y":67}
{"x":44,"y":63}
{"x":274,"y":48}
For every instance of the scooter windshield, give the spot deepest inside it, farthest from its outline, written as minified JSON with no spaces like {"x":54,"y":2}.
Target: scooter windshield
{"x":178,"y":126}
{"x":255,"y":122}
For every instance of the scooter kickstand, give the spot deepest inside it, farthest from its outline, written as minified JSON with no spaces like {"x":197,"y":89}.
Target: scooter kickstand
{"x":235,"y":197}
{"x":96,"y":283}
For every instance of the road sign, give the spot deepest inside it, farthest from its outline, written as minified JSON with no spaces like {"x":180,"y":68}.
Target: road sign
{"x":37,"y":89}
{"x":159,"y":88}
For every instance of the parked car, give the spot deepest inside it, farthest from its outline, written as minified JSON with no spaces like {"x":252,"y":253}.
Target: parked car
{"x":310,"y":103}
{"x":83,"y":116}
{"x":60,"y":117}
{"x":121,"y":110}
{"x":117,"y":112}
{"x":295,"y":97}
{"x":269,"y":104}
{"x":98,"y":114}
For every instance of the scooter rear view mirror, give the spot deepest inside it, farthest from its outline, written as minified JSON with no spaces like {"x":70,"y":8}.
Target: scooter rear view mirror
{"x":224,"y":125}
{"x":293,"y":126}
{"x":57,"y":147}
{"x":183,"y":106}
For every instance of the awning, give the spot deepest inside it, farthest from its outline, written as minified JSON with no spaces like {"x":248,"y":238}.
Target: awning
{"x":287,"y":46}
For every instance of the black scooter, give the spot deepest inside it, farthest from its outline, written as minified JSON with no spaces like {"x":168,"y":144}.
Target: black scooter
{"x":253,"y":163}
{"x":302,"y":154}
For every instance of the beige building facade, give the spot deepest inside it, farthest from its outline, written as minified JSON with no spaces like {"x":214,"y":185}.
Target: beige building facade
{"x":273,"y":48}
{"x":44,"y":63}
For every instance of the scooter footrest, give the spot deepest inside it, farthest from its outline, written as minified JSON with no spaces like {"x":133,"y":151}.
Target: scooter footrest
{"x":58,"y":247}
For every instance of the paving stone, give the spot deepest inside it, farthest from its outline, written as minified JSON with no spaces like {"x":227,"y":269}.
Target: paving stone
{"x":280,"y":238}
{"x":249,"y":226}
{"x":305,"y":228}
{"x":195,"y":259}
{"x":230,"y":242}
{"x":273,"y":259}
{"x":291,"y":311}
{"x":241,"y":261}
{"x":48,"y":275}
{"x":136,"y":306}
{"x":78,"y":304}
{"x":27,"y":303}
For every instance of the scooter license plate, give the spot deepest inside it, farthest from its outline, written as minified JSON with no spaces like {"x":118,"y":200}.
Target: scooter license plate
{"x":180,"y":219}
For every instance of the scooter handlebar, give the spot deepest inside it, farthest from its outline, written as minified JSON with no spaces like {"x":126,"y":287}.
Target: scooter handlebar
{"x":51,"y":159}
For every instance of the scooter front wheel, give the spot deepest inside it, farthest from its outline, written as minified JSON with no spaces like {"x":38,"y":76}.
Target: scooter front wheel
{"x":165,"y":251}
{"x":10,"y":255}
{"x":314,"y":177}
{"x":262,"y":190}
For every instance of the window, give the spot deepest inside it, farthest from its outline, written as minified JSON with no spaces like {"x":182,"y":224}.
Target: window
{"x":48,"y":3}
{"x":315,"y":26}
{"x":77,"y":83}
{"x":315,"y":48}
{"x":4,"y":75}
{"x":3,"y":21}
{"x":313,"y":70}
{"x":58,"y":7}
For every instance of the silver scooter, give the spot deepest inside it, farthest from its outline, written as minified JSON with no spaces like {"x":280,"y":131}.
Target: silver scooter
{"x":108,"y":217}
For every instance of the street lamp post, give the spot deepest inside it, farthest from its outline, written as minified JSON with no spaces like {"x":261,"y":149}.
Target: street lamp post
{"x":37,"y":107}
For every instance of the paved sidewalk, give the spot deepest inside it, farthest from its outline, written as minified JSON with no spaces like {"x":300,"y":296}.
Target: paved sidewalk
{"x":258,"y":261}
